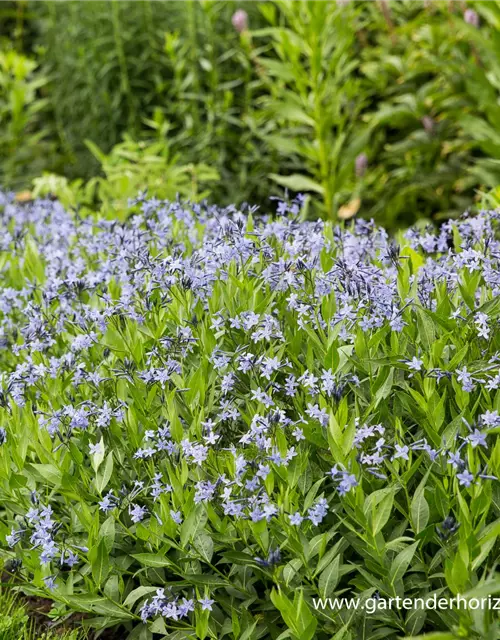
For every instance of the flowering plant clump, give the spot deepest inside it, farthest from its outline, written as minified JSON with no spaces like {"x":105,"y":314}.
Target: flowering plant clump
{"x":210,"y":420}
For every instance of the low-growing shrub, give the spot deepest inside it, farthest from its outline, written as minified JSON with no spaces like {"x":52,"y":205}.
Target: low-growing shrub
{"x":210,"y":419}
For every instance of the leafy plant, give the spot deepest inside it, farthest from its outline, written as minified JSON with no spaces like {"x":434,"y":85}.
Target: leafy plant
{"x":315,"y":98}
{"x":103,"y":64}
{"x":132,"y":164}
{"x":395,"y":85}
{"x":212,"y":423}
{"x":384,"y":109}
{"x":22,"y":141}
{"x":209,"y":102}
{"x":178,"y":63}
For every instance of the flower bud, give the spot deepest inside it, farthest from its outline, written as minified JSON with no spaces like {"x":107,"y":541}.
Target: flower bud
{"x":428,"y":124}
{"x":471,"y":17}
{"x":361,"y":164}
{"x":240,"y":20}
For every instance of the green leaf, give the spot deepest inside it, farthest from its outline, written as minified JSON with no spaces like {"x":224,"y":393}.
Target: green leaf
{"x":458,"y":357}
{"x":401,"y":563}
{"x":152,"y":560}
{"x":107,"y":533}
{"x":297,"y":182}
{"x":82,"y":602}
{"x":248,"y":634}
{"x":138,"y":593}
{"x":47,"y":472}
{"x":101,"y":480}
{"x":194,"y":522}
{"x":419,"y":510}
{"x":235,"y":623}
{"x":438,"y":635}
{"x":208,"y":580}
{"x":491,"y":308}
{"x":159,"y":626}
{"x":381,"y":512}
{"x":285,"y":607}
{"x":283,"y":71}
{"x":484,"y":589}
{"x":107,"y":608}
{"x":306,"y":623}
{"x":385,"y":388}
{"x":204,"y":545}
{"x":97,"y":458}
{"x":426,"y":330}
{"x":329,"y":578}
{"x":99,"y":558}
{"x":294,"y":113}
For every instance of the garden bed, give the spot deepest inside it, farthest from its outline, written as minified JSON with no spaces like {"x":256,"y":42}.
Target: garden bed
{"x":212,"y":419}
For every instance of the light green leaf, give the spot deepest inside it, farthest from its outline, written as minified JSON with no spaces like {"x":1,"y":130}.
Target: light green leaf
{"x":107,"y":533}
{"x":329,"y":578}
{"x":204,"y":545}
{"x":152,"y":560}
{"x":401,"y":563}
{"x":297,"y":182}
{"x":381,"y":512}
{"x":101,"y":480}
{"x":419,"y":510}
{"x":140,"y":592}
{"x":99,"y":558}
{"x":193,"y":523}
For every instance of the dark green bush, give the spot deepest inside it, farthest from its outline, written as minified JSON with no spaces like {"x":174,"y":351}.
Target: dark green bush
{"x":408,"y":89}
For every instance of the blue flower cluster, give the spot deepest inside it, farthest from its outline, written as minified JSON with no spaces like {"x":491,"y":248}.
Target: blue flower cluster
{"x":193,"y":357}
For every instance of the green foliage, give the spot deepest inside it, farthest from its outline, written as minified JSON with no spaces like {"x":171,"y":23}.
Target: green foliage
{"x":291,"y":102}
{"x":23,"y":146}
{"x":128,"y":167}
{"x":209,"y":99}
{"x":412,"y":87}
{"x":132,"y":164}
{"x":315,"y":98}
{"x":108,"y":305}
{"x":15,"y":623}
{"x":428,"y":70}
{"x":176,"y":66}
{"x":104,"y":62}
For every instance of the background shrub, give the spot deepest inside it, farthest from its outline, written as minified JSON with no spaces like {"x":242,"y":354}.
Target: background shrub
{"x":407,"y":88}
{"x":24,"y":143}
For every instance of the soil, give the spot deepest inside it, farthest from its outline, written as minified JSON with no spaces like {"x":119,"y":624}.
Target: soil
{"x":38,"y":609}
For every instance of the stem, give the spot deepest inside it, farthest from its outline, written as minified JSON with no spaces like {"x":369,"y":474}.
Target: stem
{"x":193,"y":60}
{"x":122,"y":60}
{"x":20,"y":7}
{"x":318,"y":126}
